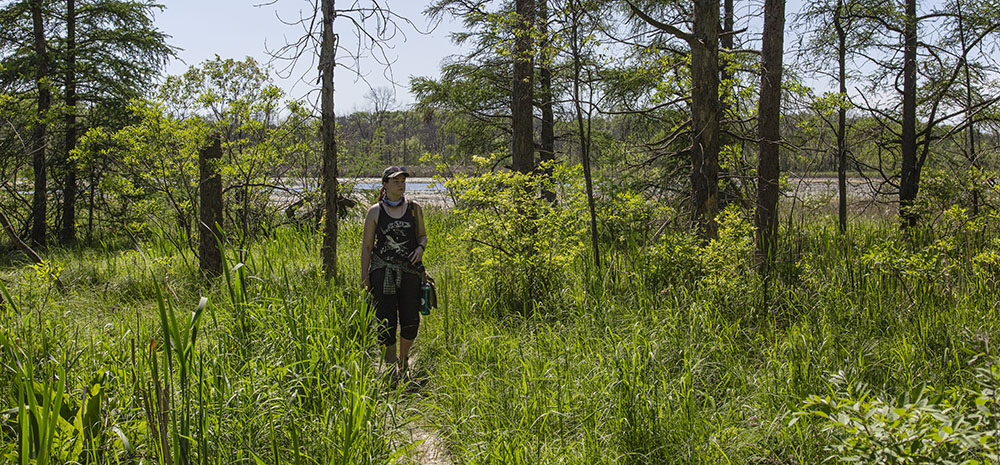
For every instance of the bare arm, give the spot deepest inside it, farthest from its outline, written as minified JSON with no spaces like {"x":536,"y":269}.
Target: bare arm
{"x":368,"y":243}
{"x":418,"y":253}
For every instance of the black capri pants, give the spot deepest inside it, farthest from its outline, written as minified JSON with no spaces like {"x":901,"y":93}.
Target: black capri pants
{"x":402,"y":309}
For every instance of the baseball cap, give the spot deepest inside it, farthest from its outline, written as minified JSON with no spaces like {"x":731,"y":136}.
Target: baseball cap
{"x":393,"y":171}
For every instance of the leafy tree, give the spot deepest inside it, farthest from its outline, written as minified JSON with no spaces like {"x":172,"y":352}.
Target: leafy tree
{"x":703,"y":43}
{"x":478,"y":86}
{"x":577,"y":49}
{"x":109,"y":55}
{"x":238,"y":101}
{"x":929,"y":75}
{"x":98,"y":55}
{"x":156,"y":159}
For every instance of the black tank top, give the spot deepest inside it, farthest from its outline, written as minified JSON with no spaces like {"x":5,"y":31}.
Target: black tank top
{"x":396,"y":239}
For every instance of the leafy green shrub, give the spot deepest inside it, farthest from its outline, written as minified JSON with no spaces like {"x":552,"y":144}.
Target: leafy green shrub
{"x":677,"y":258}
{"x":518,"y":244}
{"x":941,"y":190}
{"x":673,"y":259}
{"x":628,"y":220}
{"x":950,"y":426}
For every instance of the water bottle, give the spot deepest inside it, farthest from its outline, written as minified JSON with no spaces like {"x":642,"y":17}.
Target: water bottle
{"x":425,"y":299}
{"x":425,"y":292}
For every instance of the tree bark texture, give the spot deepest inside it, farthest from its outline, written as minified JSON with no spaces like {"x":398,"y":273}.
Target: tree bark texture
{"x":38,"y":213}
{"x":769,"y":135}
{"x":327,"y":62}
{"x":705,"y":116}
{"x":909,"y":171}
{"x":210,"y":198}
{"x":67,"y":234}
{"x":522,"y":100}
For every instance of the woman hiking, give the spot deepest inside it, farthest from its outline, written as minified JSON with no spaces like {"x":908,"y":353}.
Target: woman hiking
{"x":392,"y":247}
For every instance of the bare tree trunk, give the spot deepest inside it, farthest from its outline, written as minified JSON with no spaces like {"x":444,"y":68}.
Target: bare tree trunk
{"x":584,"y":132}
{"x":523,"y":143}
{"x":210,"y":193}
{"x":67,"y":234}
{"x":727,"y":41}
{"x":705,"y":116}
{"x":547,"y":141}
{"x":769,"y":112}
{"x":909,"y":171}
{"x":38,"y":214}
{"x":327,"y":62}
{"x":970,"y":153}
{"x":726,"y":110}
{"x":841,"y":119}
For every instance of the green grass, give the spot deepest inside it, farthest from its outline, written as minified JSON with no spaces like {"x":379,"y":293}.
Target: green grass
{"x":672,"y":353}
{"x":275,"y":366}
{"x":711,"y":369}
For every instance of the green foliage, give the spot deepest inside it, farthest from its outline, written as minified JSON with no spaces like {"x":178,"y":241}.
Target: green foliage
{"x":941,"y":189}
{"x":154,"y":166}
{"x":518,"y":244}
{"x":954,"y":425}
{"x":723,"y":265}
{"x":278,"y":368}
{"x":155,"y":170}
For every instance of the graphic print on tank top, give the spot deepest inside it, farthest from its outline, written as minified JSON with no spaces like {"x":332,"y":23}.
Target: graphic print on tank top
{"x":396,"y":238}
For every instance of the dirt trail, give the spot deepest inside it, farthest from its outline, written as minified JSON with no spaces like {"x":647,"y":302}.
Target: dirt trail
{"x":429,"y":448}
{"x":423,"y":441}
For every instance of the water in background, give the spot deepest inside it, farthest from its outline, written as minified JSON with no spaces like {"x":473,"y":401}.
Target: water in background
{"x":431,"y":186}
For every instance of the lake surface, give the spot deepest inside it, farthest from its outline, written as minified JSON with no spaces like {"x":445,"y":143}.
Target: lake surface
{"x":412,"y":184}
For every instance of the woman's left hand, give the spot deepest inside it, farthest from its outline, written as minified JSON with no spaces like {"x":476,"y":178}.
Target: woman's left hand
{"x":417,"y":255}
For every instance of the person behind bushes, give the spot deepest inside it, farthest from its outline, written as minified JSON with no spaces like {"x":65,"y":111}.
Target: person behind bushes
{"x":392,"y":247}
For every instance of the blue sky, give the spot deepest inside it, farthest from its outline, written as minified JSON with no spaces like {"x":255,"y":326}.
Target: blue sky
{"x":240,"y":28}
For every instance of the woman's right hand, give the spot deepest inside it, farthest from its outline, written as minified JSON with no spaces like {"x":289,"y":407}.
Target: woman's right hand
{"x":366,"y":283}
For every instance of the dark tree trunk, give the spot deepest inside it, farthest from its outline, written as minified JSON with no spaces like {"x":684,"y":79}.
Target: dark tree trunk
{"x":210,"y":198}
{"x":523,"y":143}
{"x":841,"y":119}
{"x":584,"y":130}
{"x":38,"y":214}
{"x":547,"y":141}
{"x":328,"y":49}
{"x":726,"y":110}
{"x":769,"y":133}
{"x":727,"y":41}
{"x":909,"y":171}
{"x":970,"y":153}
{"x":67,"y":234}
{"x":705,"y":116}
